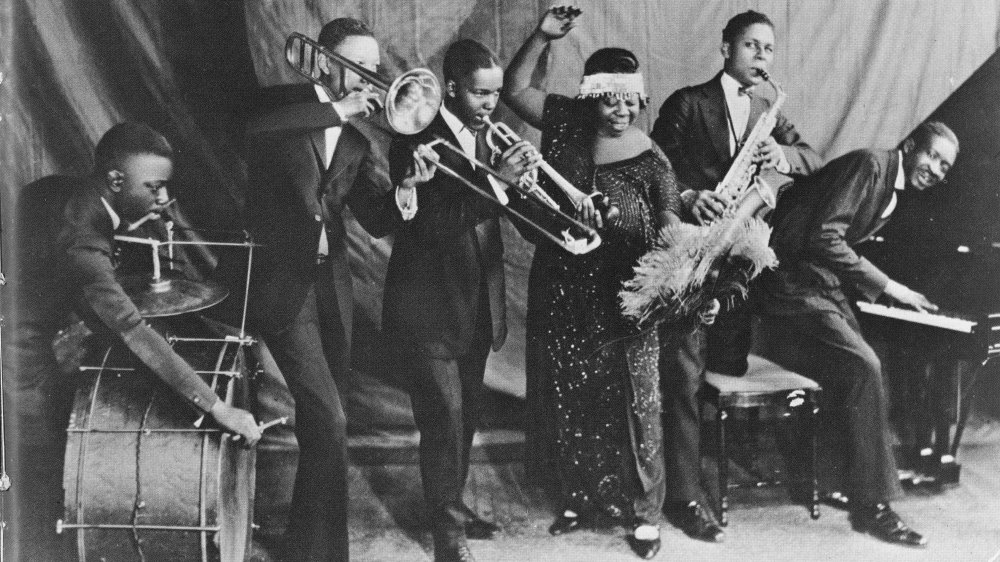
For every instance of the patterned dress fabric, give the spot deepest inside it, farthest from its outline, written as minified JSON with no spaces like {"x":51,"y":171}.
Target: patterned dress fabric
{"x":593,"y":382}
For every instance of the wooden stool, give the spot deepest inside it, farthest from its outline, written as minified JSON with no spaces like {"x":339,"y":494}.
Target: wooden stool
{"x":765,"y":385}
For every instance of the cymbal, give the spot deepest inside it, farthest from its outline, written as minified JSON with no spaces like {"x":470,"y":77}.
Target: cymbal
{"x":171,"y":296}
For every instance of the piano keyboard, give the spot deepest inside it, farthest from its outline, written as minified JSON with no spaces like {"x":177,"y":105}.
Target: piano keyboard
{"x":927,"y":318}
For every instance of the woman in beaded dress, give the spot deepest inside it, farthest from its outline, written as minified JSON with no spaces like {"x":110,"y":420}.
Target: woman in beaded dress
{"x":593,"y":381}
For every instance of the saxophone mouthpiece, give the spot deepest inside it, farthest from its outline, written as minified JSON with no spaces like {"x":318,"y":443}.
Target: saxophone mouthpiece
{"x":763,"y":74}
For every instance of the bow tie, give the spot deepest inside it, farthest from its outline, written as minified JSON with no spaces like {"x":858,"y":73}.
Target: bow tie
{"x":745,"y":91}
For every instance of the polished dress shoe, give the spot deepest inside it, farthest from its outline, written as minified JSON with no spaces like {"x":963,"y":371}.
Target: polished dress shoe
{"x":696,"y":521}
{"x":476,"y":527}
{"x":835,"y":500}
{"x":644,"y":545}
{"x":883,"y":523}
{"x":565,"y":524}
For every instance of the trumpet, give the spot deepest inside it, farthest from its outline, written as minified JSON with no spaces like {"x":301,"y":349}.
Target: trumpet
{"x":500,"y":132}
{"x":586,"y":238}
{"x":411,"y":100}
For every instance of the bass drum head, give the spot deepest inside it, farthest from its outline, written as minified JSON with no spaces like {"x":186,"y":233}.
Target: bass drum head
{"x":141,"y":480}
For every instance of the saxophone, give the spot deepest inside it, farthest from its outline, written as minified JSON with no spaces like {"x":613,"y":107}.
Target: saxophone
{"x":745,"y":193}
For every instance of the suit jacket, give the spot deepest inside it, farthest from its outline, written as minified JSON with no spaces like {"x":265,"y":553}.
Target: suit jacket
{"x":816,"y":226}
{"x":292,"y":198}
{"x":693,"y":131}
{"x":444,"y":257}
{"x":64,"y":243}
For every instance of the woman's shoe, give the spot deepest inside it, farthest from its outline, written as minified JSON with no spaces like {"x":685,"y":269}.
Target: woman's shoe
{"x":567,"y":522}
{"x":645,"y":539}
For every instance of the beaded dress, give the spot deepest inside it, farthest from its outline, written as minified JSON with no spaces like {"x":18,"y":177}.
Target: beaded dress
{"x":593,"y":382}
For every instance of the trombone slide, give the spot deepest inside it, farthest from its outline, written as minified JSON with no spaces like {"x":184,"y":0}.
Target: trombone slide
{"x":565,"y":239}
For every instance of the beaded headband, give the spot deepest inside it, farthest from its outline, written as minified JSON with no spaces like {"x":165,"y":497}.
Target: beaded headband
{"x":615,"y":85}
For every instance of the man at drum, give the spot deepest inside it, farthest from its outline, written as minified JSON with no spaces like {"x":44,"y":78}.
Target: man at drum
{"x":65,"y":237}
{"x":445,"y":298}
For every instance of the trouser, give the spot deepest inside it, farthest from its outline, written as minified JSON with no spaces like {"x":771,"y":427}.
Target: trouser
{"x":828,"y":347}
{"x":314,"y":359}
{"x":682,"y":369}
{"x":445,"y":393}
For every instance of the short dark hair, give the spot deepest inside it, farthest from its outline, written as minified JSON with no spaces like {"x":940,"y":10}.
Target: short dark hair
{"x":612,"y":60}
{"x":927,"y":131}
{"x":466,"y":56}
{"x":128,"y":139}
{"x":335,"y":31}
{"x":738,"y":23}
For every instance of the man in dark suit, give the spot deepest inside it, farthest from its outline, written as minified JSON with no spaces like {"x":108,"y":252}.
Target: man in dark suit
{"x":445,"y":298}
{"x":808,"y":319}
{"x":64,"y":240}
{"x":701,"y":129}
{"x":306,"y":162}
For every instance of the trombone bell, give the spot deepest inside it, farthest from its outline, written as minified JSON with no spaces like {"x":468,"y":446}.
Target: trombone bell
{"x":412,"y":100}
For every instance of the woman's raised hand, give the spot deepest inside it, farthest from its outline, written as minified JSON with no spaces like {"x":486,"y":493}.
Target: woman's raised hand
{"x":558,"y":20}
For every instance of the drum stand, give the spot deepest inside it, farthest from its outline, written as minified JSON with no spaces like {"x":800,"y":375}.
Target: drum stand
{"x":4,"y":478}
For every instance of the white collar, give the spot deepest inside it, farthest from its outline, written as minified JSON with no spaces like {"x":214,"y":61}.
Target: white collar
{"x":730,"y":86}
{"x":454,"y":123}
{"x":116,"y":221}
{"x":900,"y":177}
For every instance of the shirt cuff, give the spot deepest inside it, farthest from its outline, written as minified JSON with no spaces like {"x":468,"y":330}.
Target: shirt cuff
{"x":336,"y":109}
{"x":783,"y":166}
{"x":498,"y":190}
{"x":407,"y":208}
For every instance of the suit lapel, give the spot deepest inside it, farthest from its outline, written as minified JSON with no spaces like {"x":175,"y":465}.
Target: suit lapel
{"x":882,"y":199}
{"x":346,"y":152}
{"x":713,"y":109}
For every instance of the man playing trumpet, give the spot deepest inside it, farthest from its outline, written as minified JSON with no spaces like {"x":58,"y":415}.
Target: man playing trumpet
{"x":445,"y":297}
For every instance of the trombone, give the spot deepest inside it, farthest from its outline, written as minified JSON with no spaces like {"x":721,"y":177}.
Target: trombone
{"x":585,"y":238}
{"x":411,"y":100}
{"x":499,"y":131}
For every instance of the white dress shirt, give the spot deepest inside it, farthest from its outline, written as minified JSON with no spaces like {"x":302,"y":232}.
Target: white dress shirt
{"x":467,"y":142}
{"x":116,"y":221}
{"x":738,"y":102}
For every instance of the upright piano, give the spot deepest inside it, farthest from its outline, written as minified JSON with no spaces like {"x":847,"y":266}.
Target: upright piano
{"x":945,"y":243}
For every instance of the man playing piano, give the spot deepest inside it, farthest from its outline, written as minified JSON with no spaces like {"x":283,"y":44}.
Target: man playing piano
{"x":808,"y":322}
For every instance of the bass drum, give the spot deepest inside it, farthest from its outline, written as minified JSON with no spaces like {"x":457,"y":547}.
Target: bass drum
{"x":144,"y":480}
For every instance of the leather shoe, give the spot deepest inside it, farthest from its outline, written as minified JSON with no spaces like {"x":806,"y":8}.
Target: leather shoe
{"x":835,"y":500}
{"x":454,"y":553}
{"x":883,"y":523}
{"x":696,"y":522}
{"x":476,"y":527}
{"x":644,"y":548}
{"x":565,"y":524}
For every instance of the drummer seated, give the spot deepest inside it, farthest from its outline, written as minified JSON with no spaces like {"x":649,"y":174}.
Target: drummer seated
{"x":64,"y":240}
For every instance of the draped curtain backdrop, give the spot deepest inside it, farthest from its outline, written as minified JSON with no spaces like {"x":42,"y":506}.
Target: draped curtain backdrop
{"x":858,"y":73}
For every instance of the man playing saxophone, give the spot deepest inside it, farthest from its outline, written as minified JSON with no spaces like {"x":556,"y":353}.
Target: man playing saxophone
{"x":701,"y":128}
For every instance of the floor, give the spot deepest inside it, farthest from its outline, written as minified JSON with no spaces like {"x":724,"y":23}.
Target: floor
{"x":387,"y":524}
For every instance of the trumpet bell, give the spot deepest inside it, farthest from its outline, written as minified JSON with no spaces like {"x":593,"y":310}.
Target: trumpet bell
{"x":412,"y":101}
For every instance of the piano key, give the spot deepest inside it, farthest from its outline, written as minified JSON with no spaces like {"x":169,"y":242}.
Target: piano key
{"x":939,"y":320}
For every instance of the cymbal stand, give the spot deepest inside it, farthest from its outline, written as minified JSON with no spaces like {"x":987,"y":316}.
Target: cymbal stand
{"x":4,"y":478}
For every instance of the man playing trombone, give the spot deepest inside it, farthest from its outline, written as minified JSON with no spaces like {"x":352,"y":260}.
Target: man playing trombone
{"x":306,"y":161}
{"x":444,"y":299}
